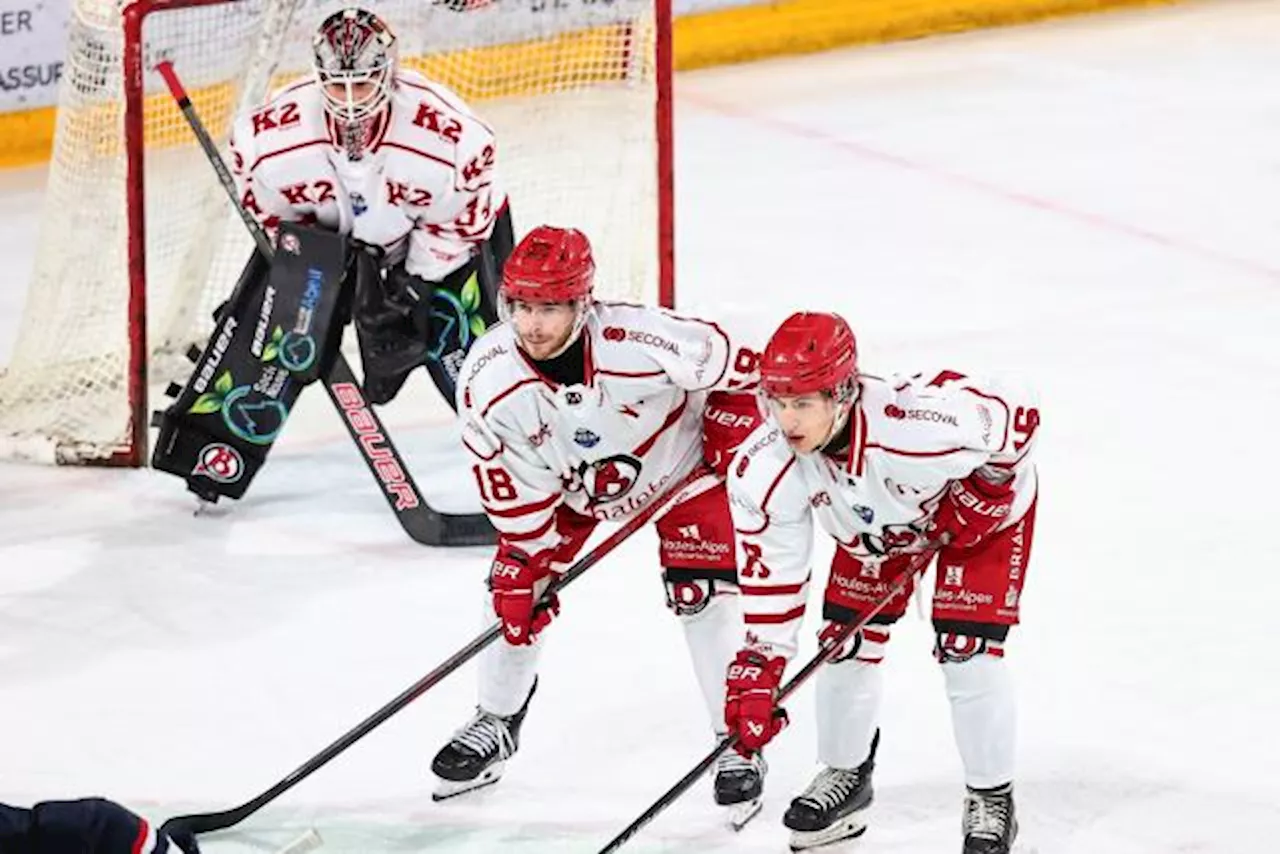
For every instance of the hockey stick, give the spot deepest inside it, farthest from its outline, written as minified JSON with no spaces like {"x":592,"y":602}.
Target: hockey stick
{"x":422,"y":523}
{"x":207,"y":822}
{"x":810,"y":667}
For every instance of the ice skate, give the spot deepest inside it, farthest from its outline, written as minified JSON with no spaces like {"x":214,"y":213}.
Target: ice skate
{"x":477,"y":753}
{"x":834,"y":806}
{"x":739,"y":784}
{"x":990,"y":825}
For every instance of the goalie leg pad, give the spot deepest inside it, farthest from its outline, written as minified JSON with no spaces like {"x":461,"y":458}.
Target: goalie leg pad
{"x":404,"y":321}
{"x":464,"y":306}
{"x":279,"y":332}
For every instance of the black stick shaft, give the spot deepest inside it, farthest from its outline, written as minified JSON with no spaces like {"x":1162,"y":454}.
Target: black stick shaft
{"x":682,"y":785}
{"x":214,"y":156}
{"x":419,"y":520}
{"x":207,"y":822}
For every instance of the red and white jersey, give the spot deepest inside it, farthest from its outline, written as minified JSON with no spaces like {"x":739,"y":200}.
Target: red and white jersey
{"x":425,"y":189}
{"x":908,"y":439}
{"x":605,"y":447}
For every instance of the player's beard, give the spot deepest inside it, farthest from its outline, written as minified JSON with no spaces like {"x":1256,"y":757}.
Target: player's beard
{"x":532,"y":345}
{"x":541,"y":347}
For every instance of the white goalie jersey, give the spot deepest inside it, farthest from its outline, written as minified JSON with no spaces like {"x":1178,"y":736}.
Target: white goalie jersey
{"x":908,"y":439}
{"x":605,"y":447}
{"x":426,"y":189}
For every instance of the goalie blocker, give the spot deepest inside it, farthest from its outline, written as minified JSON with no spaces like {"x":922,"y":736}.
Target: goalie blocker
{"x":279,"y":332}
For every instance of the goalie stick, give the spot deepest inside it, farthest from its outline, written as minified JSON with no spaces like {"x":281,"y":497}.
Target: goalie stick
{"x":198,"y":823}
{"x":811,"y":666}
{"x":420,"y":521}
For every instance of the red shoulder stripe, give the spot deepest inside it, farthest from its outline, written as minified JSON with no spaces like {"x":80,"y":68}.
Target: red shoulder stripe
{"x":508,"y":390}
{"x":286,"y":150}
{"x":418,"y":152}
{"x":672,"y":417}
{"x":769,"y":494}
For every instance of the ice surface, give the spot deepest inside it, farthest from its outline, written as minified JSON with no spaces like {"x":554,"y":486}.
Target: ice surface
{"x":1089,"y":203}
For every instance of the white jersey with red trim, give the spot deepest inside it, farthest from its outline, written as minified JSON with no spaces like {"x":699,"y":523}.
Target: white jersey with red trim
{"x":908,"y":439}
{"x":425,"y":189}
{"x":605,"y":447}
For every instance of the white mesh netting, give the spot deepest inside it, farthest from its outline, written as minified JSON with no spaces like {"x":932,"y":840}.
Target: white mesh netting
{"x":569,"y":87}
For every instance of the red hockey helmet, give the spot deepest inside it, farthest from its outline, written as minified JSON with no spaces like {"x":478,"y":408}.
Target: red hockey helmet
{"x":810,"y":352}
{"x":549,"y":265}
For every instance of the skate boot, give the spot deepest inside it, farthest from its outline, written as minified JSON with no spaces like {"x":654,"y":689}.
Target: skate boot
{"x":990,"y":825}
{"x":834,"y":806}
{"x":478,"y":752}
{"x":739,"y":783}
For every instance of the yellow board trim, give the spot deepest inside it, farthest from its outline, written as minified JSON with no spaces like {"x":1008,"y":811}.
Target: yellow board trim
{"x":27,"y":137}
{"x":511,"y":70}
{"x":745,"y":33}
{"x":737,"y":34}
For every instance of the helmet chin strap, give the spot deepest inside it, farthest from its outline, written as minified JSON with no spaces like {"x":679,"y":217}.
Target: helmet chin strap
{"x":845,"y":407}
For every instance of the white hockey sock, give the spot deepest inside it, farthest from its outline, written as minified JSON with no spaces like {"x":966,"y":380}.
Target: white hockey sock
{"x":507,"y":672}
{"x":714,"y":636}
{"x":848,"y":706}
{"x":984,"y":715}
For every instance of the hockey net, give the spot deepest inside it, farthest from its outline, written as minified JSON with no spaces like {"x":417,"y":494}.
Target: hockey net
{"x":576,"y":90}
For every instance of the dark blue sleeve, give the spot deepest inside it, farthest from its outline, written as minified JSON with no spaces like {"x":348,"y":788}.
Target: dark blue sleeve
{"x":88,"y":826}
{"x":15,"y":829}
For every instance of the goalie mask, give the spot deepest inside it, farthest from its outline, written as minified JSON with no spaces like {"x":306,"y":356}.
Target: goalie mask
{"x":355,"y":64}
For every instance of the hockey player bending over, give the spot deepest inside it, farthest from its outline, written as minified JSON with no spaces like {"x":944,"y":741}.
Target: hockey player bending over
{"x":86,"y":826}
{"x":576,"y":412}
{"x":403,"y":166}
{"x":887,"y":467}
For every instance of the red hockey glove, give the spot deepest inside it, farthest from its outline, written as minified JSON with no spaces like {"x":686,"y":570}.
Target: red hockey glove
{"x":972,"y":509}
{"x":514,"y":579}
{"x":726,"y":423}
{"x":751,"y":693}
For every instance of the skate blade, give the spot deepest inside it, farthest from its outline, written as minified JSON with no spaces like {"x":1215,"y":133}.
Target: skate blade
{"x":849,"y":827}
{"x":740,"y":814}
{"x":453,"y":788}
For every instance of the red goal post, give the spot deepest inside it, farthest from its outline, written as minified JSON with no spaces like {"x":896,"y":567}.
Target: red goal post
{"x":136,"y":247}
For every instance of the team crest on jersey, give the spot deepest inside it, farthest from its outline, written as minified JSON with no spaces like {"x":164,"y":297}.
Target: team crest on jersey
{"x":604,"y":480}
{"x":585,"y":438}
